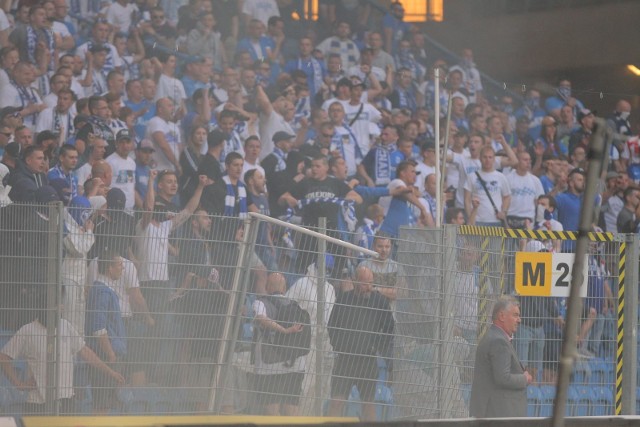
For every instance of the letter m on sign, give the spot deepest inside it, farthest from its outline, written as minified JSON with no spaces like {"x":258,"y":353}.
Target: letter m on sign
{"x":533,"y":273}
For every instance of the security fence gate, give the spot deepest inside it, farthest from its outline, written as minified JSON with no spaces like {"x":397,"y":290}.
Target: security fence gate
{"x":173,"y":319}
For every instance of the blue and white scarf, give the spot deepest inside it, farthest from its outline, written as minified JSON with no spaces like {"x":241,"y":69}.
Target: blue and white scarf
{"x":368,"y":231}
{"x":99,"y":82}
{"x":27,"y":96}
{"x":231,"y":144}
{"x":281,"y":156}
{"x":406,"y":99}
{"x":32,"y":45}
{"x":230,"y":199}
{"x":383,"y":164}
{"x":68,"y":130}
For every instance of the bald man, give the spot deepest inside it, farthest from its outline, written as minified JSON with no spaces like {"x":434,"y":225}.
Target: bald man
{"x":101,"y":169}
{"x":361,"y":325}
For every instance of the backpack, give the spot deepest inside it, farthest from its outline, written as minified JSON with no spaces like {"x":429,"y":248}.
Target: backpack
{"x":278,"y":347}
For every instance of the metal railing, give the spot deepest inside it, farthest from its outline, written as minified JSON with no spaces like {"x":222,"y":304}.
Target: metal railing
{"x":391,"y":337}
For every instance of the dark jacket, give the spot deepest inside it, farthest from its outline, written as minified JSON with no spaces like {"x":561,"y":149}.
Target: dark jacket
{"x":499,"y":386}
{"x":24,"y":183}
{"x":360,"y":325}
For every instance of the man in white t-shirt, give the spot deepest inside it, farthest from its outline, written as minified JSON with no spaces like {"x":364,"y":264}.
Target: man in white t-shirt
{"x":153,"y":253}
{"x":166,"y":137}
{"x":100,"y":36}
{"x":58,"y":118}
{"x":525,"y":190}
{"x":344,"y":140}
{"x":168,"y":85}
{"x":275,"y":117}
{"x":30,"y":343}
{"x":497,"y":190}
{"x":124,"y":167}
{"x":120,"y":15}
{"x":359,"y":115}
{"x":252,"y":148}
{"x":468,"y":164}
{"x":261,"y":10}
{"x":428,"y":164}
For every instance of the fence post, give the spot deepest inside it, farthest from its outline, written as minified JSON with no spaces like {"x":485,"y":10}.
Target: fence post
{"x":626,"y":356}
{"x":320,"y":320}
{"x":54,"y":289}
{"x":446,"y":314}
{"x":233,"y":317}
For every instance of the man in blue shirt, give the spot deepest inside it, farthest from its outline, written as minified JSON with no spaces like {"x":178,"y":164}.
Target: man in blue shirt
{"x":570,"y":204}
{"x":67,"y":161}
{"x":400,"y":211}
{"x":393,"y":26}
{"x":105,"y":327}
{"x":314,"y":69}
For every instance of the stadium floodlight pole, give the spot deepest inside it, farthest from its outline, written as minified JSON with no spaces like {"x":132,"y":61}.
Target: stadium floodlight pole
{"x":569,"y":351}
{"x":445,"y":148}
{"x":303,"y":230}
{"x":436,"y":109}
{"x":233,"y":316}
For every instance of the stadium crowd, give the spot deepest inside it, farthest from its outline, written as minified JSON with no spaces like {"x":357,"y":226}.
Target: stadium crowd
{"x":181,"y":117}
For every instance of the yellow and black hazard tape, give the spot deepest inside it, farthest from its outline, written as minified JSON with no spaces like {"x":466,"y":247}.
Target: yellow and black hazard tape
{"x":620,"y":337}
{"x":474,"y":230}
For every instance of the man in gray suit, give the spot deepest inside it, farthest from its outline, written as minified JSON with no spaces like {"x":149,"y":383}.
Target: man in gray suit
{"x":500,"y":382}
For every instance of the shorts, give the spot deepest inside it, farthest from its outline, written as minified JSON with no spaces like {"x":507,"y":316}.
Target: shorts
{"x":138,"y":355}
{"x":278,"y":388}
{"x":350,"y":370}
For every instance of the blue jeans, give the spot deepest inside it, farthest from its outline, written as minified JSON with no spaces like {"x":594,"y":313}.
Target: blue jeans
{"x":529,"y":345}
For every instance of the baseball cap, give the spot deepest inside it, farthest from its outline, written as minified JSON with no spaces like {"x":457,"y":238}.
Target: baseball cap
{"x":123,"y":134}
{"x":13,"y":149}
{"x":612,"y":175}
{"x":281,"y":136}
{"x":215,"y":138}
{"x":146,"y":144}
{"x":116,"y":199}
{"x":80,"y":118}
{"x":535,"y":246}
{"x":578,"y":170}
{"x":429,"y":145}
{"x":99,"y":48}
{"x":344,"y":82}
{"x":8,"y":111}
{"x":46,"y":194}
{"x":584,"y":112}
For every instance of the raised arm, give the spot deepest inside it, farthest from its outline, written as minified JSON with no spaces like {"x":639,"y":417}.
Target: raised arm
{"x":193,"y":203}
{"x":149,"y":201}
{"x":264,"y":105}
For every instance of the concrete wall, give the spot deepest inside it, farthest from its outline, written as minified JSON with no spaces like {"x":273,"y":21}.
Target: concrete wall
{"x":535,"y":43}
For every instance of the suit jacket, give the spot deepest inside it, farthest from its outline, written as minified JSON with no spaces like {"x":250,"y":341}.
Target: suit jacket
{"x":499,"y":386}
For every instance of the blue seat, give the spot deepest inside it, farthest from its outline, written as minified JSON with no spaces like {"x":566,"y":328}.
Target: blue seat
{"x":548,"y":393}
{"x":534,"y":401}
{"x":603,"y":401}
{"x":384,"y":394}
{"x":137,"y":401}
{"x":585,"y":401}
{"x":602,"y":372}
{"x":572,"y":401}
{"x":353,"y":406}
{"x":465,"y":389}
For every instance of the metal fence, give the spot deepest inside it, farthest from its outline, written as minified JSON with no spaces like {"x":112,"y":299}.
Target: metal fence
{"x":167,"y":313}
